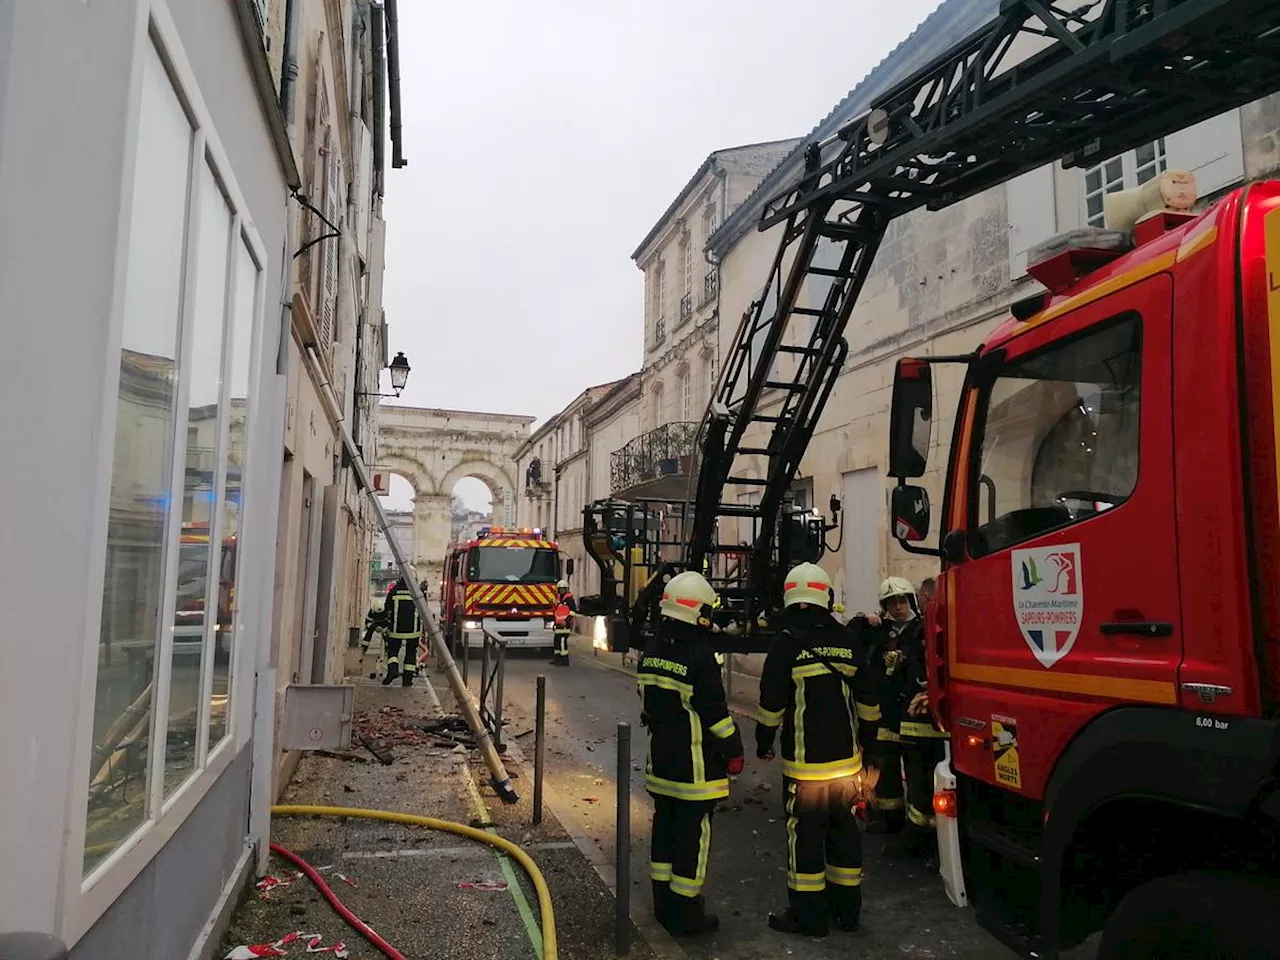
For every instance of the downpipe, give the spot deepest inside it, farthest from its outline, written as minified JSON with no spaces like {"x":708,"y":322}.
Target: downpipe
{"x":499,"y":778}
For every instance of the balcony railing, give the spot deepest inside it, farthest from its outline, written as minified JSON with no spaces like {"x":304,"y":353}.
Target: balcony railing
{"x":709,"y":284}
{"x":686,"y":307}
{"x":660,"y":330}
{"x":662,"y":452}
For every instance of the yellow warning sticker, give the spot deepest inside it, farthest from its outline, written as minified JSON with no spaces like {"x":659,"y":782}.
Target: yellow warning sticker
{"x":1004,"y":747}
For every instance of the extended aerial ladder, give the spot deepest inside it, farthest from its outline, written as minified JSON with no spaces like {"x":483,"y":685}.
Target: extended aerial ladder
{"x":1040,"y":82}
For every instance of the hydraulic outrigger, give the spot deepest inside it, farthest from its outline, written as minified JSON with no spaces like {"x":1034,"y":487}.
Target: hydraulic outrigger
{"x":1041,"y":82}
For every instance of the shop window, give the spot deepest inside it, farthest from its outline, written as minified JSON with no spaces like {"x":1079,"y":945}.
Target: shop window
{"x":1059,"y":436}
{"x":163,"y":691}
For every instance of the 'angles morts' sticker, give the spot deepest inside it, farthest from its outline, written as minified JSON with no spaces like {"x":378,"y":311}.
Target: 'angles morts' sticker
{"x":1048,"y":599}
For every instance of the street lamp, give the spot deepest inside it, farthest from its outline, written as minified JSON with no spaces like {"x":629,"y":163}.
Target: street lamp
{"x":399,"y":374}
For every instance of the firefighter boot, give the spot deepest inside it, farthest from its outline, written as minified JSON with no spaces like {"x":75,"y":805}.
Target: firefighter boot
{"x":393,"y":671}
{"x":914,"y":843}
{"x":688,"y":917}
{"x":406,"y":679}
{"x":806,"y":915}
{"x":888,"y":822}
{"x":844,"y":906}
{"x":661,"y":901}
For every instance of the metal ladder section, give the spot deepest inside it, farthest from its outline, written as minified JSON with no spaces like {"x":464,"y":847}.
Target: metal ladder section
{"x":1036,"y":84}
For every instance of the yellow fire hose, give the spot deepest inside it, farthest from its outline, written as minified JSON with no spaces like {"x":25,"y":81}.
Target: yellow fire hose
{"x":462,"y":830}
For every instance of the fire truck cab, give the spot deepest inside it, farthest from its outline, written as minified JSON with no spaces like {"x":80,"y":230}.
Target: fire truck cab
{"x":1105,"y":644}
{"x":503,"y":581}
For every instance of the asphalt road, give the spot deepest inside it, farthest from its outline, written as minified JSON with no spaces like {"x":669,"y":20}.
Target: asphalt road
{"x":906,"y":913}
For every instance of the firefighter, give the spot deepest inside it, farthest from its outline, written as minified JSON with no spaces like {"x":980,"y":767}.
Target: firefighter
{"x":566,"y":607}
{"x":694,"y":746}
{"x":372,"y":623}
{"x":811,"y":669}
{"x":401,"y":625}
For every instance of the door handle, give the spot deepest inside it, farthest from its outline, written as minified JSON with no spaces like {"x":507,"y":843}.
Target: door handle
{"x":1138,"y":628}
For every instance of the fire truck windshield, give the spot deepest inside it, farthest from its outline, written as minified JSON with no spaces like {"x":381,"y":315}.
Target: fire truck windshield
{"x":512,"y":565}
{"x":1058,"y":430}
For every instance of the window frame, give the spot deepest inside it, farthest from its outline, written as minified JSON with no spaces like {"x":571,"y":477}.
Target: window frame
{"x":85,"y":898}
{"x":983,"y":386}
{"x":1129,"y":170}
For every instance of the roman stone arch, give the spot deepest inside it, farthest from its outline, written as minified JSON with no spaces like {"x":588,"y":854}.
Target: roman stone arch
{"x":433,"y":449}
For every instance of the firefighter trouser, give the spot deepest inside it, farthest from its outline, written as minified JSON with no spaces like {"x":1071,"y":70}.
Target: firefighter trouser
{"x":561,"y":649}
{"x":410,"y":664}
{"x":680,"y":843}
{"x":824,"y":845}
{"x":885,"y":754}
{"x":920,"y":757}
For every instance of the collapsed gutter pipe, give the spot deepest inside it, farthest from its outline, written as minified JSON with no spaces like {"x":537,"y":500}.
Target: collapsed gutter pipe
{"x":393,"y":74}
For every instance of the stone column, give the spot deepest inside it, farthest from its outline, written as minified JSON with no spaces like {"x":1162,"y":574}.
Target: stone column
{"x":432,"y":520}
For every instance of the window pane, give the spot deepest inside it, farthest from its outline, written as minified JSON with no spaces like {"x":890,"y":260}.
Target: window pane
{"x":242,"y":305}
{"x":199,"y":494}
{"x":1093,"y":180}
{"x":1145,"y":154}
{"x":1060,"y":442}
{"x":133,"y":583}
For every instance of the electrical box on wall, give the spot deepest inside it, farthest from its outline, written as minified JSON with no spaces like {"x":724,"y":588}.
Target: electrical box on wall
{"x":317,"y":716}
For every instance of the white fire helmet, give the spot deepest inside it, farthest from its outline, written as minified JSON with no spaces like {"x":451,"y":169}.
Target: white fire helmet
{"x":808,"y":583}
{"x":687,"y":598}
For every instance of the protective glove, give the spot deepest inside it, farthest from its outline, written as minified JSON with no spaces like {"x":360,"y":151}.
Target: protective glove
{"x":735,"y":765}
{"x":919,"y":705}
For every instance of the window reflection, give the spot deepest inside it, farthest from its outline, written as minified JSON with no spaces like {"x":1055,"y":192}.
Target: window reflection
{"x":142,"y":471}
{"x":192,"y":623}
{"x":243,"y":304}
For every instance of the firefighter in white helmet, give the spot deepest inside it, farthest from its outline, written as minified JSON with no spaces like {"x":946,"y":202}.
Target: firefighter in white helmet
{"x":694,"y":746}
{"x":813,"y":666}
{"x":897,"y":727}
{"x":566,"y":607}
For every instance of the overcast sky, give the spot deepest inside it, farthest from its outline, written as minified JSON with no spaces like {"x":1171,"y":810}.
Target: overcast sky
{"x":545,"y":139}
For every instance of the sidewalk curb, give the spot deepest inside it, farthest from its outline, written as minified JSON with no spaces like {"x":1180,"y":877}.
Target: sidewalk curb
{"x":659,"y":941}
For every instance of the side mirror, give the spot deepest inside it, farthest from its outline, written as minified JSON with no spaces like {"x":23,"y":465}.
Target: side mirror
{"x":568,"y":567}
{"x":909,"y":508}
{"x":910,"y":418}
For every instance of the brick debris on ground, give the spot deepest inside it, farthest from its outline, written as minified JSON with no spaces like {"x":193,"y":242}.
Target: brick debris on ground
{"x":430,"y":894}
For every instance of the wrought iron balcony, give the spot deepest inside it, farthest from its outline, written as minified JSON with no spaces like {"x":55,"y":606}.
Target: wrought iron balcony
{"x":660,"y":330}
{"x":666,"y":451}
{"x":709,"y":284}
{"x":686,"y":307}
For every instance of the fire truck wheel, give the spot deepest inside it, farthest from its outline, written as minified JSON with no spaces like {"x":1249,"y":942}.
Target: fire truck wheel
{"x":1195,"y":915}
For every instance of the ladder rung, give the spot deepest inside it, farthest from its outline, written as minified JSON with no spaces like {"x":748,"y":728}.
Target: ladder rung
{"x":736,"y":510}
{"x":807,"y":351}
{"x":782,"y":385}
{"x":809,"y":311}
{"x":830,"y":272}
{"x":765,"y":418}
{"x":755,"y":451}
{"x":747,"y":480}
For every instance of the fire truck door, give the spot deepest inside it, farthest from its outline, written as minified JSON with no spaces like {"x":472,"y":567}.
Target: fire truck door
{"x":1066,"y":601}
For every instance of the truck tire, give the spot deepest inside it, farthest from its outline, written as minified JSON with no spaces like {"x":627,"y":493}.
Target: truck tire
{"x":1195,"y":915}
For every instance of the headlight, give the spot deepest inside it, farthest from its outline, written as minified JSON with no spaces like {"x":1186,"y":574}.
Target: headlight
{"x":471,"y":625}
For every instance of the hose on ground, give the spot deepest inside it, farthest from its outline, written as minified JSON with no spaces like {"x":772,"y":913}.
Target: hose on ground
{"x":462,"y":830}
{"x":352,"y":920}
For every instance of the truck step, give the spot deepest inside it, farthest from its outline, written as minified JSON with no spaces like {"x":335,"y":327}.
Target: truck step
{"x":1009,"y":845}
{"x":1014,"y":935}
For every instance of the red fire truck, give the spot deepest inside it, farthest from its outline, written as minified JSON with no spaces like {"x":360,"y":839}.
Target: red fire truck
{"x":1105,"y":645}
{"x":503,"y":580}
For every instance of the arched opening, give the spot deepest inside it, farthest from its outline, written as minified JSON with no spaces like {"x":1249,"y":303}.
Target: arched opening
{"x":398,"y":505}
{"x":471,"y":507}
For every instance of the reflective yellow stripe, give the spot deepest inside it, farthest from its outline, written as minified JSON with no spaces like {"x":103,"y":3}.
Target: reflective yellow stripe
{"x":798,"y":770}
{"x":807,"y":882}
{"x":798,"y":726}
{"x":918,"y":818}
{"x":705,"y":790}
{"x":790,"y":807}
{"x":913,"y":728}
{"x":659,"y":871}
{"x":870,"y":712}
{"x":723,"y":728}
{"x":770,"y":718}
{"x":692,"y":886}
{"x":664,"y":683}
{"x":821,"y":670}
{"x":884,"y":733}
{"x":888,"y":803}
{"x":844,"y":876}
